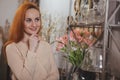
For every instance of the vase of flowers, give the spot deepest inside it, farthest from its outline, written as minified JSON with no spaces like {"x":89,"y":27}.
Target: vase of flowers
{"x":75,"y":45}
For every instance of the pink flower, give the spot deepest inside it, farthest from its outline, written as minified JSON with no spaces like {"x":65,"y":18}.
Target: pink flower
{"x":77,"y":35}
{"x":72,"y":37}
{"x":60,"y":46}
{"x":62,"y":41}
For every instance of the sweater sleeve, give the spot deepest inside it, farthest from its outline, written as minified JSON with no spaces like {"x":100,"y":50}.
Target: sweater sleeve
{"x":23,"y":69}
{"x":53,"y":74}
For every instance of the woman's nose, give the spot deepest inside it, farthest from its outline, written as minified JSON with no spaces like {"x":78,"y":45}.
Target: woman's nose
{"x":33,"y":23}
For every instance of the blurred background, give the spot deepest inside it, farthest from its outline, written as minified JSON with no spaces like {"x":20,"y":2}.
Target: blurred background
{"x":55,"y":14}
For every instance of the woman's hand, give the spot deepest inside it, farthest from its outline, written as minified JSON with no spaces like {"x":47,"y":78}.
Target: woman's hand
{"x":33,"y":42}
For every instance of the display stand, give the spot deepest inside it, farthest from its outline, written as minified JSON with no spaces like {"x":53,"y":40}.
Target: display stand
{"x":96,"y":67}
{"x":108,"y":26}
{"x":110,"y":40}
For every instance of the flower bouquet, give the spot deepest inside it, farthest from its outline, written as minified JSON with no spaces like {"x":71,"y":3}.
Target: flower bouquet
{"x":75,"y":45}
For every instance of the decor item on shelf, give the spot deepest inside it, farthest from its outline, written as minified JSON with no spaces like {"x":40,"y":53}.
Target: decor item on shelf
{"x":99,"y":8}
{"x":89,"y":11}
{"x":93,"y":60}
{"x":77,"y":10}
{"x":79,"y":5}
{"x":76,"y":45}
{"x":70,"y":20}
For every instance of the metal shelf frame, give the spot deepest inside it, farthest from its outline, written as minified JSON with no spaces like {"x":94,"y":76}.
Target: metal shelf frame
{"x":108,"y":32}
{"x":108,"y":26}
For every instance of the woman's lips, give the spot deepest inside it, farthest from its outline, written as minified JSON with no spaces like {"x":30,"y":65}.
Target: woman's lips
{"x":33,"y":29}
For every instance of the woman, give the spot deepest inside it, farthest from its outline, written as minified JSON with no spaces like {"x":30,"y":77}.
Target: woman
{"x":28,"y":56}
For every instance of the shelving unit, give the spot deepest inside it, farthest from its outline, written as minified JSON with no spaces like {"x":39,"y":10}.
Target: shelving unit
{"x":110,"y":40}
{"x":87,"y":25}
{"x":109,"y":37}
{"x":98,"y":25}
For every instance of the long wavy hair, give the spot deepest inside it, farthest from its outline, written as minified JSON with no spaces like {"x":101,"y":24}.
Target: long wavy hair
{"x":16,"y":32}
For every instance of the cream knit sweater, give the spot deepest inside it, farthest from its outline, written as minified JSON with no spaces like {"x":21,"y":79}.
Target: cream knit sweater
{"x":27,"y":65}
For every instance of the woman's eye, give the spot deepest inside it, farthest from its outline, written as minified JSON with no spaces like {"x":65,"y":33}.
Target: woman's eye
{"x":28,"y":20}
{"x":37,"y":19}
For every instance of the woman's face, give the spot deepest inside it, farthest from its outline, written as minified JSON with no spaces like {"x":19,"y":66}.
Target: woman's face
{"x":32,"y":21}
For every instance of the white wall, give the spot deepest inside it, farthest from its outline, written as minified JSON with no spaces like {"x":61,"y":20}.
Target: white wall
{"x":7,"y":10}
{"x":55,"y":6}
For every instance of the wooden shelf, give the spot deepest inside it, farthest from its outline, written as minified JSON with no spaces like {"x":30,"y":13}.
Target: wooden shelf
{"x":91,"y":25}
{"x":114,"y":26}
